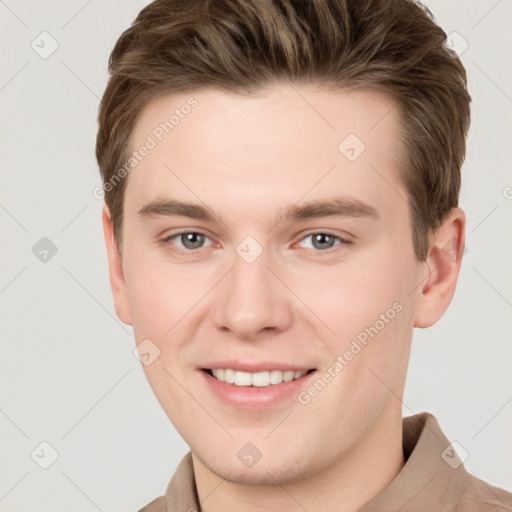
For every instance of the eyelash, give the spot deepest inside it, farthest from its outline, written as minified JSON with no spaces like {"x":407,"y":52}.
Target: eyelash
{"x":193,"y":252}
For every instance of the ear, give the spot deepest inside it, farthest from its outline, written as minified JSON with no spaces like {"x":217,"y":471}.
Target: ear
{"x":442,"y":267}
{"x":115,"y":267}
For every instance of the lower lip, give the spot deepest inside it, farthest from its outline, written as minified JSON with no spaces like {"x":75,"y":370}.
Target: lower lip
{"x":254,"y":397}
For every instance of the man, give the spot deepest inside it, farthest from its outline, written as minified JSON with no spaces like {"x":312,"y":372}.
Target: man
{"x":281,"y":210}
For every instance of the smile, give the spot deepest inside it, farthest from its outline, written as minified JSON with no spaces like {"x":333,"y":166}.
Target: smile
{"x":257,"y":379}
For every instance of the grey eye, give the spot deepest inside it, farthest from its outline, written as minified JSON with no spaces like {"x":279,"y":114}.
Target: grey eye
{"x":192,"y":240}
{"x":323,"y":241}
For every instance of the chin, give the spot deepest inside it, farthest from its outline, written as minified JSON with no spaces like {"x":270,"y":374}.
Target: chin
{"x":276,"y":470}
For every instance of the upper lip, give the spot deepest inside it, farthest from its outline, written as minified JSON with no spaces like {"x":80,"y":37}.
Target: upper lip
{"x":255,"y":367}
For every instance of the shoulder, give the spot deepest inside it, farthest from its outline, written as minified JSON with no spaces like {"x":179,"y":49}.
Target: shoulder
{"x":157,"y":505}
{"x":180,"y":494}
{"x":481,"y":496}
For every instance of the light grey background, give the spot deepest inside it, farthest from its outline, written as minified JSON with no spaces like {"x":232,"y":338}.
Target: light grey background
{"x":68,"y":374}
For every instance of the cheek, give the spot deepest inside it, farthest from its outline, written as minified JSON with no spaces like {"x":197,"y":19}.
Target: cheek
{"x":368,"y":307}
{"x":160,"y":293}
{"x":352,"y":296}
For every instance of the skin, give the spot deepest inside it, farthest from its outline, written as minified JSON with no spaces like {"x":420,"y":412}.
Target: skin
{"x":246,"y":158}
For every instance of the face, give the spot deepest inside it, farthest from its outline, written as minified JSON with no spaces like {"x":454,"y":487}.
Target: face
{"x":265,"y":233}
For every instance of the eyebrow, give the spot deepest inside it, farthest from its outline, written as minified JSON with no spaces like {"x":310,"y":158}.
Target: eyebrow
{"x":338,"y":206}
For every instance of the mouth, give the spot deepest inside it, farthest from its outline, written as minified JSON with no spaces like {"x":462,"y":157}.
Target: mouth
{"x":257,"y":379}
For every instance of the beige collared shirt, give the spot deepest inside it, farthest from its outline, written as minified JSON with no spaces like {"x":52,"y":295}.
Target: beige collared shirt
{"x":432,"y":479}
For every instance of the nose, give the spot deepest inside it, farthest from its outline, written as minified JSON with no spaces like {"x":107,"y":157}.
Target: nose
{"x":251,"y":300}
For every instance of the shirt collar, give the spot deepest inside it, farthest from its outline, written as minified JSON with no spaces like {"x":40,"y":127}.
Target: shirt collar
{"x":432,"y":477}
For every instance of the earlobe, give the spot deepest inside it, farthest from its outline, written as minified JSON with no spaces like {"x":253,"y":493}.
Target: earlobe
{"x":115,"y":266}
{"x":442,"y":265}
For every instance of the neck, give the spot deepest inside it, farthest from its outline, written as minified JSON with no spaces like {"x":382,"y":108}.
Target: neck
{"x":347,"y":485}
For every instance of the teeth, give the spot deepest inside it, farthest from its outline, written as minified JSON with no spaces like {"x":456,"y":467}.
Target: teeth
{"x":288,"y":376}
{"x":242,"y":379}
{"x":259,"y":379}
{"x":276,"y":377}
{"x":229,"y":376}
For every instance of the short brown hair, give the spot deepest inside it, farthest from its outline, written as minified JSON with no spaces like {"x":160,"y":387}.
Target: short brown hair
{"x":241,"y":46}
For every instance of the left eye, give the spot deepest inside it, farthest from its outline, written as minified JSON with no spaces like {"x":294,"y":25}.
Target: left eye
{"x":324,"y":241}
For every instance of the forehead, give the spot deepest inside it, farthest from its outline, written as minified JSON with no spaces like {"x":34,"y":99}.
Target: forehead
{"x":270,"y":148}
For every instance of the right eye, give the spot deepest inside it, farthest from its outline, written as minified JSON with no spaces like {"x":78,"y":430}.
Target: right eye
{"x":187,"y":241}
